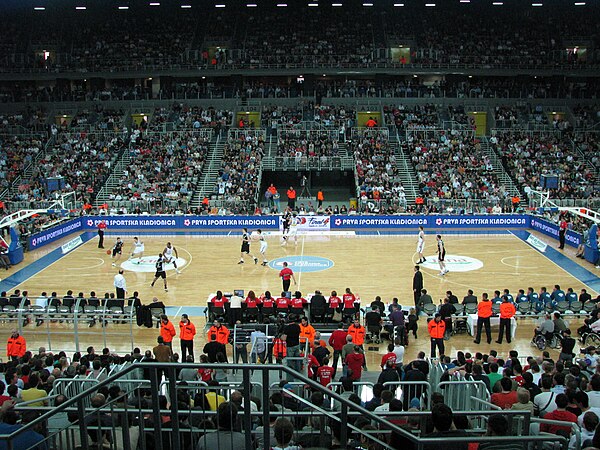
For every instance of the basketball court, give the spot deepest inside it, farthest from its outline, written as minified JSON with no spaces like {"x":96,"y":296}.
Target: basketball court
{"x":368,"y":264}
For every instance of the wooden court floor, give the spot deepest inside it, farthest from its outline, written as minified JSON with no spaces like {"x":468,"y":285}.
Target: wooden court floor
{"x":368,"y":265}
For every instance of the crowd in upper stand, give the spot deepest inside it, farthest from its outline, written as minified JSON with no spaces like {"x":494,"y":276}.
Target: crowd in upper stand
{"x":413,"y":116}
{"x":225,"y":37}
{"x":16,"y":154}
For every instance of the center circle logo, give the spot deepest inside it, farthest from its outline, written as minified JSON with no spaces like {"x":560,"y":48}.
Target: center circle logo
{"x":454,"y":263}
{"x":147,"y":264}
{"x":302,"y":263}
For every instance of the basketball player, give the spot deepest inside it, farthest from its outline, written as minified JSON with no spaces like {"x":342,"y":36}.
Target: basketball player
{"x":421,"y":245}
{"x":441,"y":255}
{"x":246,"y":247}
{"x":287,"y":218}
{"x":292,"y":229}
{"x":263,"y":247}
{"x":160,"y":271}
{"x":169,"y":257}
{"x":117,"y":251}
{"x":138,"y":250}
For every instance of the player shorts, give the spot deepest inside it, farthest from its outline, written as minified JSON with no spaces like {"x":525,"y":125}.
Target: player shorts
{"x":168,"y":259}
{"x":116,"y":252}
{"x":263,"y":246}
{"x":162,"y":274}
{"x":441,"y":256}
{"x":293,"y":231}
{"x":245,"y":247}
{"x":137,"y":250}
{"x":420,"y":247}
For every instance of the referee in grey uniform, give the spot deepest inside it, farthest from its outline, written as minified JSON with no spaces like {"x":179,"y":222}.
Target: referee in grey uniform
{"x":120,"y":284}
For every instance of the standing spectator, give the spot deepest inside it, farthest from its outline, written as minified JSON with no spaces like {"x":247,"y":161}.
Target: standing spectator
{"x":120,"y":284}
{"x":437,"y":329}
{"x":220,"y":331}
{"x":417,"y":285}
{"x":187,"y":331}
{"x":337,"y":340}
{"x":101,"y":230}
{"x":258,"y":349}
{"x":484,"y":312}
{"x":16,"y":346}
{"x":286,"y":274}
{"x":292,"y":339}
{"x":320,"y":197}
{"x":355,"y":362}
{"x":162,"y":353}
{"x":167,"y":330}
{"x":507,"y":312}
{"x":213,"y":348}
{"x":446,"y":311}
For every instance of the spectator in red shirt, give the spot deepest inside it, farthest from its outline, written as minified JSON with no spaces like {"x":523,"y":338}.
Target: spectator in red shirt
{"x":282,"y":302}
{"x":560,"y":413}
{"x":334,"y":302}
{"x":389,"y":356}
{"x":355,"y":362}
{"x":297,"y":303}
{"x":325,"y":373}
{"x":507,"y":397}
{"x":337,"y":340}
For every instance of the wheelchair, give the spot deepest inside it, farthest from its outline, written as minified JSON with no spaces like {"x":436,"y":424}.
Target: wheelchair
{"x":591,"y":338}
{"x":541,"y":341}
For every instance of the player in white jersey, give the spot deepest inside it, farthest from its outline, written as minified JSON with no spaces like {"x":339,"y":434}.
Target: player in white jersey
{"x":441,"y":255}
{"x":138,"y":250}
{"x":263,"y":246}
{"x":170,"y":255}
{"x":421,"y":245}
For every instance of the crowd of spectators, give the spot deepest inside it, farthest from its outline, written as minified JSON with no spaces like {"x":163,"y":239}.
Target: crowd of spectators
{"x":237,"y":181}
{"x":16,"y":153}
{"x":183,"y":116}
{"x":307,"y":144}
{"x":376,"y":171}
{"x":454,"y":166}
{"x":506,"y":116}
{"x":31,"y":119}
{"x":586,"y":116}
{"x":80,"y":162}
{"x":163,"y":167}
{"x":526,"y":157}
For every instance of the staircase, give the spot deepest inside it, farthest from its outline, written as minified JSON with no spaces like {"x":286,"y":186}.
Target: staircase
{"x":114,"y":180}
{"x":208,"y":179}
{"x":505,"y":179}
{"x":406,"y":172}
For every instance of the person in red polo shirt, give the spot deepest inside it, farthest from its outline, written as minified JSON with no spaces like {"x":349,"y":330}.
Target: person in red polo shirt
{"x":287,"y":275}
{"x":325,"y":373}
{"x":349,"y":303}
{"x":297,"y":303}
{"x":282,"y":303}
{"x":291,"y":194}
{"x":101,"y":230}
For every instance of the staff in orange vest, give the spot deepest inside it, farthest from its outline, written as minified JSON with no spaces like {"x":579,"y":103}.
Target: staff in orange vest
{"x":320,"y":197}
{"x":484,"y":312}
{"x":291,"y":194}
{"x":187,"y":331}
{"x":437,"y":329}
{"x":279,"y":349}
{"x":507,"y":312}
{"x":167,"y":330}
{"x":357,"y":331}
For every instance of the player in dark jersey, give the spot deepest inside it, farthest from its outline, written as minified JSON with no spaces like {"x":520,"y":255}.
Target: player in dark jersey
{"x":117,"y":251}
{"x":246,"y":247}
{"x":441,"y":255}
{"x":160,"y":271}
{"x":287,"y":222}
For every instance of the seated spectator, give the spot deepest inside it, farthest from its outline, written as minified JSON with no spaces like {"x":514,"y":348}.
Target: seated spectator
{"x":442,"y":419}
{"x":498,"y":426}
{"x":561,"y":414}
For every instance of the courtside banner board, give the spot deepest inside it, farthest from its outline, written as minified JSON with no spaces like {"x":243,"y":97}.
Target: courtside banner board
{"x":53,"y":234}
{"x":192,"y":223}
{"x":310,"y":223}
{"x":434,"y":222}
{"x":572,"y":238}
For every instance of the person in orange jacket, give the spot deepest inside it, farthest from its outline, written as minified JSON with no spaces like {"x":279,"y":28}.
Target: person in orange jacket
{"x":279,"y":349}
{"x":320,"y":197}
{"x":358,"y":332}
{"x":437,"y":329}
{"x":484,"y":312}
{"x":16,"y":346}
{"x":507,"y":312}
{"x":167,"y":330}
{"x":221,"y":331}
{"x":187,"y":331}
{"x":307,"y":333}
